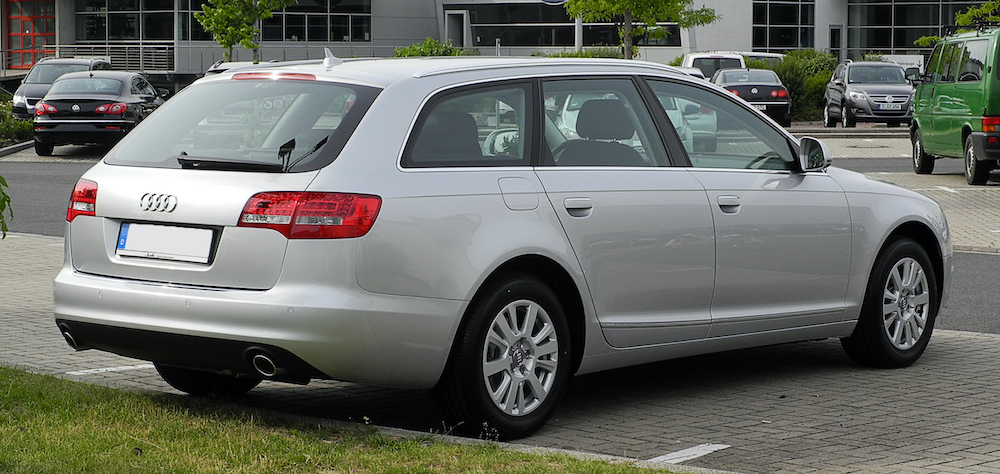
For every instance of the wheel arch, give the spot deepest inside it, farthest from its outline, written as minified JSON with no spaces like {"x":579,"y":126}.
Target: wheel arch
{"x":925,"y":237}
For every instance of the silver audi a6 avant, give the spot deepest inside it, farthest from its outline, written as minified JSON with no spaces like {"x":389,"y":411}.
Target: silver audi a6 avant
{"x":424,"y":223}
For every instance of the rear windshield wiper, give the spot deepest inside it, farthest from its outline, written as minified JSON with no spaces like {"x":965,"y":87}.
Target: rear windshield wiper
{"x":193,"y":163}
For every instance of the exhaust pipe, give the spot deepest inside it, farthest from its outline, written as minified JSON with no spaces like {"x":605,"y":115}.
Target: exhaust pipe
{"x":68,"y":336}
{"x":265,"y":365}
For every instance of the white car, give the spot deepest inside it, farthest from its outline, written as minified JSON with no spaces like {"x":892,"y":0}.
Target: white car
{"x":387,"y":222}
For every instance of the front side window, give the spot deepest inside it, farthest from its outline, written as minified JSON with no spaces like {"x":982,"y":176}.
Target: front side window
{"x":733,"y":136}
{"x":270,"y":123}
{"x":479,"y":126}
{"x":598,"y":122}
{"x":946,"y":70}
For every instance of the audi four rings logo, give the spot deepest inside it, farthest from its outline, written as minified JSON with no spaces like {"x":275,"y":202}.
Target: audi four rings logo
{"x":158,"y":202}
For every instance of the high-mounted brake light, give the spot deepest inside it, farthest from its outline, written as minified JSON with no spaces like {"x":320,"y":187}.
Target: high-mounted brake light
{"x":258,"y":76}
{"x":116,"y":108}
{"x":991,"y":124}
{"x":83,"y":201}
{"x":42,"y":108}
{"x":303,"y":215}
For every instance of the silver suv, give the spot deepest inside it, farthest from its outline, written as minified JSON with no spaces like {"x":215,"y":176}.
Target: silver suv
{"x":424,"y":223}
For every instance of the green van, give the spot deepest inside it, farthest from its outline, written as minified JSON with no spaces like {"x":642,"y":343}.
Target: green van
{"x":956,"y":109}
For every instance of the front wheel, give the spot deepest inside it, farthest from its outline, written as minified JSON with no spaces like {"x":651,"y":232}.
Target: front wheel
{"x":976,"y":171}
{"x":922,"y":162}
{"x":202,"y":384}
{"x":897,"y":316}
{"x":511,"y":361}
{"x":828,"y":121}
{"x":846,"y":120}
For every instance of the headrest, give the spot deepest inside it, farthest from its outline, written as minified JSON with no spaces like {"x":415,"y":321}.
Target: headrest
{"x":604,"y":119}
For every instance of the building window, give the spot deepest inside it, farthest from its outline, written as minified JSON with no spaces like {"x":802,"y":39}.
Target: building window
{"x":891,"y":26}
{"x":779,"y":26}
{"x":100,"y":21}
{"x":306,"y":20}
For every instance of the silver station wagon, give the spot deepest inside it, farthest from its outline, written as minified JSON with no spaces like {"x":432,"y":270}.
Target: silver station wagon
{"x":443,"y":224}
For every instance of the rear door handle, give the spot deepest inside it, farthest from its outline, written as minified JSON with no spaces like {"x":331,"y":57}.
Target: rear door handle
{"x":729,"y":204}
{"x":578,"y":207}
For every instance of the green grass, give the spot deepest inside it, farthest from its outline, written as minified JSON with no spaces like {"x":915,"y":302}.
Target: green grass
{"x":50,"y":425}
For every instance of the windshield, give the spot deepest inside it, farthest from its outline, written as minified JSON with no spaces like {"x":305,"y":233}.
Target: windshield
{"x":87,"y":85}
{"x":876,"y":75}
{"x":48,"y":73}
{"x":750,"y":77}
{"x":289,"y":124}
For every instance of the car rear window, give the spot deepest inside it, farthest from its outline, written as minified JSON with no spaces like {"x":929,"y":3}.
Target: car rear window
{"x":87,"y":85}
{"x":300,"y":125}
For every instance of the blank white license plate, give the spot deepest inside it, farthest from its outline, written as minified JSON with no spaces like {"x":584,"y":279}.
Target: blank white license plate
{"x":760,"y":106}
{"x":164,"y":242}
{"x":890,"y":106}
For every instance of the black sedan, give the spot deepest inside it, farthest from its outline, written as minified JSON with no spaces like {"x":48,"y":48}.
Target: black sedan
{"x":761,"y":88}
{"x":97,"y":107}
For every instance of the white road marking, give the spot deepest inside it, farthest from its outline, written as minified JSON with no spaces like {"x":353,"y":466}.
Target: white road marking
{"x":689,"y":453}
{"x":945,"y":188}
{"x":110,"y":369}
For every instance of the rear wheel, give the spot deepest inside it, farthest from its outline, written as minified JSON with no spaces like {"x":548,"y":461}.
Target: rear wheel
{"x":922,"y":162}
{"x":202,"y":384}
{"x":511,"y":361}
{"x":976,"y":171}
{"x":897,"y":316}
{"x":43,"y":149}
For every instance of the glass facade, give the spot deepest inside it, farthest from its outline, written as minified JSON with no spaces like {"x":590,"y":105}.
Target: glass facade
{"x":779,"y":26}
{"x":891,"y":26}
{"x":108,"y":21}
{"x":538,"y":24}
{"x":306,"y":20}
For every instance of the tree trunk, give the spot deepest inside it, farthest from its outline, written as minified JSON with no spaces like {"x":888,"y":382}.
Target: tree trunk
{"x":627,"y":33}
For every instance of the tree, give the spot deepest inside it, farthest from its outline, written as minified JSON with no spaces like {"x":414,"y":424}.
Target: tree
{"x":233,"y":22}
{"x":625,"y":13}
{"x":987,"y":12}
{"x":4,"y":206}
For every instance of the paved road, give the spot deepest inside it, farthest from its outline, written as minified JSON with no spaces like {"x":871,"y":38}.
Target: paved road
{"x":791,"y":408}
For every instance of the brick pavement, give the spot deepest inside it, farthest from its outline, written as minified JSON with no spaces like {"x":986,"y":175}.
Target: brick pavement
{"x":792,"y":408}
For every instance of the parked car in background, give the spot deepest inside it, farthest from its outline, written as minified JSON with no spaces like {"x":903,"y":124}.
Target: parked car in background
{"x":40,"y":77}
{"x":92,"y":107}
{"x":692,"y":71}
{"x":956,"y":111}
{"x":412,"y":241}
{"x":868,"y":91}
{"x":761,"y":88}
{"x":711,"y":62}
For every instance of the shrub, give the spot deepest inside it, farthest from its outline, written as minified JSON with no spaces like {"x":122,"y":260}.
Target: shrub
{"x":12,"y":130}
{"x":613,"y":52}
{"x":430,"y":47}
{"x":805,"y":73}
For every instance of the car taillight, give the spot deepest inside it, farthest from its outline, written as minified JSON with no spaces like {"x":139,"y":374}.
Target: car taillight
{"x":991,"y":124}
{"x":83,"y":201}
{"x":42,"y":108}
{"x":779,"y":93}
{"x":116,"y":108}
{"x":734,"y":92}
{"x":304,"y":215}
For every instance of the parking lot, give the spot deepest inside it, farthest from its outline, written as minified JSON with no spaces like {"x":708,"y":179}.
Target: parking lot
{"x":801,"y":407}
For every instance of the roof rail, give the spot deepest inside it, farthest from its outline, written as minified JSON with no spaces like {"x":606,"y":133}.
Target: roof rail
{"x":977,"y":25}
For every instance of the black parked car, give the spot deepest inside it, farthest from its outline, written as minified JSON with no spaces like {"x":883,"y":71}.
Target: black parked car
{"x":41,"y":76}
{"x":761,"y":88}
{"x":93,"y":107}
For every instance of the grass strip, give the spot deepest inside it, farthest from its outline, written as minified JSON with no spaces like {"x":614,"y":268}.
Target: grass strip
{"x":51,"y":425}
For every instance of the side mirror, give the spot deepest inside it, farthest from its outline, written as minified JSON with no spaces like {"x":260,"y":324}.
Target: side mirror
{"x":913,"y":74}
{"x":814,"y":155}
{"x":163,"y":92}
{"x":838,"y":82}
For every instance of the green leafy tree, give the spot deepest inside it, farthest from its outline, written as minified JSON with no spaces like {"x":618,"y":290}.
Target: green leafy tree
{"x":987,"y":12}
{"x":237,"y":22}
{"x":4,"y":207}
{"x":626,"y":13}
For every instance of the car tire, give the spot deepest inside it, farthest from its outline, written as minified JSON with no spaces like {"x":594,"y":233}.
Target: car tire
{"x":43,"y":149}
{"x":828,"y":121}
{"x":846,"y":120}
{"x":899,"y":309}
{"x":922,"y":162}
{"x":976,"y":172}
{"x":510,"y":363}
{"x":204,"y":384}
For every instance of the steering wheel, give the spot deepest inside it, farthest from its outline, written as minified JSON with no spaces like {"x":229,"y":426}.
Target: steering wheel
{"x":762,"y":160}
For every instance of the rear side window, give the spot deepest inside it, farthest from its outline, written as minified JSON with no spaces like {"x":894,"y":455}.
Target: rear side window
{"x":973,"y":61}
{"x":471,"y":127}
{"x":301,"y":123}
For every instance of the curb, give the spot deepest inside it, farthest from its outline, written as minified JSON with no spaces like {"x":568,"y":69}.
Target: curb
{"x":15,"y":148}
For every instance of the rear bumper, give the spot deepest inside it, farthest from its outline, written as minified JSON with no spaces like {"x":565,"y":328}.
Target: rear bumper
{"x":67,"y":133}
{"x":315,"y":332}
{"x":986,"y":145}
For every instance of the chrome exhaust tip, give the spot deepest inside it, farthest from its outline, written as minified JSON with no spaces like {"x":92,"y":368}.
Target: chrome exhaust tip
{"x":68,"y":336}
{"x":265,"y":366}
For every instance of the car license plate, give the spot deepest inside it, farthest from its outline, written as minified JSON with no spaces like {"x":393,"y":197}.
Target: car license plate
{"x":760,"y":106}
{"x":164,"y":242}
{"x":890,"y":106}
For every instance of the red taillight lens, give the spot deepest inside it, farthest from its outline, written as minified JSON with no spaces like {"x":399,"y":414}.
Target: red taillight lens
{"x":991,"y":124}
{"x":779,"y":93}
{"x":300,"y":215}
{"x":42,"y":108}
{"x":116,"y":108}
{"x":734,"y":92}
{"x":83,"y":201}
